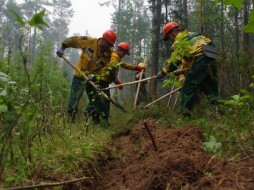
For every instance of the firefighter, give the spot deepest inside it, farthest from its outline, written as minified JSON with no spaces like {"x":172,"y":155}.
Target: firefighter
{"x":142,"y":96}
{"x":108,"y":74}
{"x":189,"y":51}
{"x":95,"y":55}
{"x":122,"y":49}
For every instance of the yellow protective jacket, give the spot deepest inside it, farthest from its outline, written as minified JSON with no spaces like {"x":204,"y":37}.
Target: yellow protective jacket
{"x":109,"y":74}
{"x":194,"y":48}
{"x":92,"y":59}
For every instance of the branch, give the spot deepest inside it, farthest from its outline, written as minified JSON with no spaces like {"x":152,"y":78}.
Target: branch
{"x":151,"y":136}
{"x":172,"y":92}
{"x":50,"y":184}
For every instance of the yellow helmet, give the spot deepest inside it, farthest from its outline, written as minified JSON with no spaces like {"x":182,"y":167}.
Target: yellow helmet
{"x":141,"y":64}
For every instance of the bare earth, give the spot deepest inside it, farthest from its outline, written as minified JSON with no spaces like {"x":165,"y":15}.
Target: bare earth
{"x":176,"y":161}
{"x":179,"y":162}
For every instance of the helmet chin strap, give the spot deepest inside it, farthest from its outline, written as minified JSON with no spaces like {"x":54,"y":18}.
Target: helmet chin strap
{"x":173,"y":35}
{"x":121,"y":53}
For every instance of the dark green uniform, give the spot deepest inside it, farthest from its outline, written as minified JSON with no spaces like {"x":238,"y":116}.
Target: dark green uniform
{"x":203,"y":77}
{"x":202,"y":74}
{"x":98,"y":106}
{"x":142,"y":96}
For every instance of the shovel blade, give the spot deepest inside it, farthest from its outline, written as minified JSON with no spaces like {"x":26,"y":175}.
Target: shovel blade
{"x":117,"y":105}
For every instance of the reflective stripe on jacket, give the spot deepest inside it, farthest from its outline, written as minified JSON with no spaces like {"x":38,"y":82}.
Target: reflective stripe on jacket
{"x":194,"y":49}
{"x":112,"y":70}
{"x":92,"y":59}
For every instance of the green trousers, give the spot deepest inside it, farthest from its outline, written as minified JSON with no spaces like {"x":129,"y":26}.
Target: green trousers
{"x":77,"y":89}
{"x":142,"y":96}
{"x":203,"y":77}
{"x":98,"y":106}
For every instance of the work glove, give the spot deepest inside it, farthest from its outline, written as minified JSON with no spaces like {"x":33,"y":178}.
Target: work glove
{"x":139,"y":68}
{"x":60,"y":52}
{"x":117,"y":82}
{"x":160,"y":75}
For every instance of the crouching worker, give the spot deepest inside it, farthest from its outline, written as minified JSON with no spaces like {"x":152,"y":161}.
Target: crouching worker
{"x":199,"y":55}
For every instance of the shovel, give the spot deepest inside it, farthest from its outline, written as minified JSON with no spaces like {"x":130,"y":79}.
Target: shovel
{"x":172,"y":92}
{"x":138,"y":88}
{"x":128,"y":83}
{"x":142,"y":80}
{"x":117,"y":105}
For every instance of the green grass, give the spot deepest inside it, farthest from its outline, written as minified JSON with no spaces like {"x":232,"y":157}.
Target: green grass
{"x":66,"y":151}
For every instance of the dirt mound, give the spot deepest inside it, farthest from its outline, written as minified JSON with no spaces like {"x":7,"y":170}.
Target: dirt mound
{"x":175,"y":161}
{"x":237,"y":175}
{"x":179,"y":159}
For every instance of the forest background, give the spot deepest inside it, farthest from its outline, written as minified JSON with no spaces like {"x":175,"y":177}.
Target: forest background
{"x":34,"y":83}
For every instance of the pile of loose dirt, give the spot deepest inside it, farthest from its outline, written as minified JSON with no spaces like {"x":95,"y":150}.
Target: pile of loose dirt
{"x":237,"y":175}
{"x":179,"y":159}
{"x":176,"y":161}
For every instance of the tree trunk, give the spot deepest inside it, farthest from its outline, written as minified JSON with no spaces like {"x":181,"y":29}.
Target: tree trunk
{"x":166,"y":3}
{"x":222,"y":28}
{"x":34,"y":37}
{"x":185,"y":14}
{"x":156,"y":22}
{"x":246,"y":38}
{"x":246,"y":75}
{"x":118,"y":97}
{"x":236,"y":34}
{"x":166,"y":10}
{"x":200,"y":16}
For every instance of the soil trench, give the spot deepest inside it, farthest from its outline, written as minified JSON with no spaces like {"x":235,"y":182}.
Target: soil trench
{"x":180,"y":162}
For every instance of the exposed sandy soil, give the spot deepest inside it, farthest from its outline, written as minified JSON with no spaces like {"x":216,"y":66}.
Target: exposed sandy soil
{"x":176,"y":161}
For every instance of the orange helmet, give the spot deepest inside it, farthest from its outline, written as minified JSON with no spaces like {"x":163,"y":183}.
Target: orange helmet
{"x":125,"y":46}
{"x":168,"y":27}
{"x":110,"y":36}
